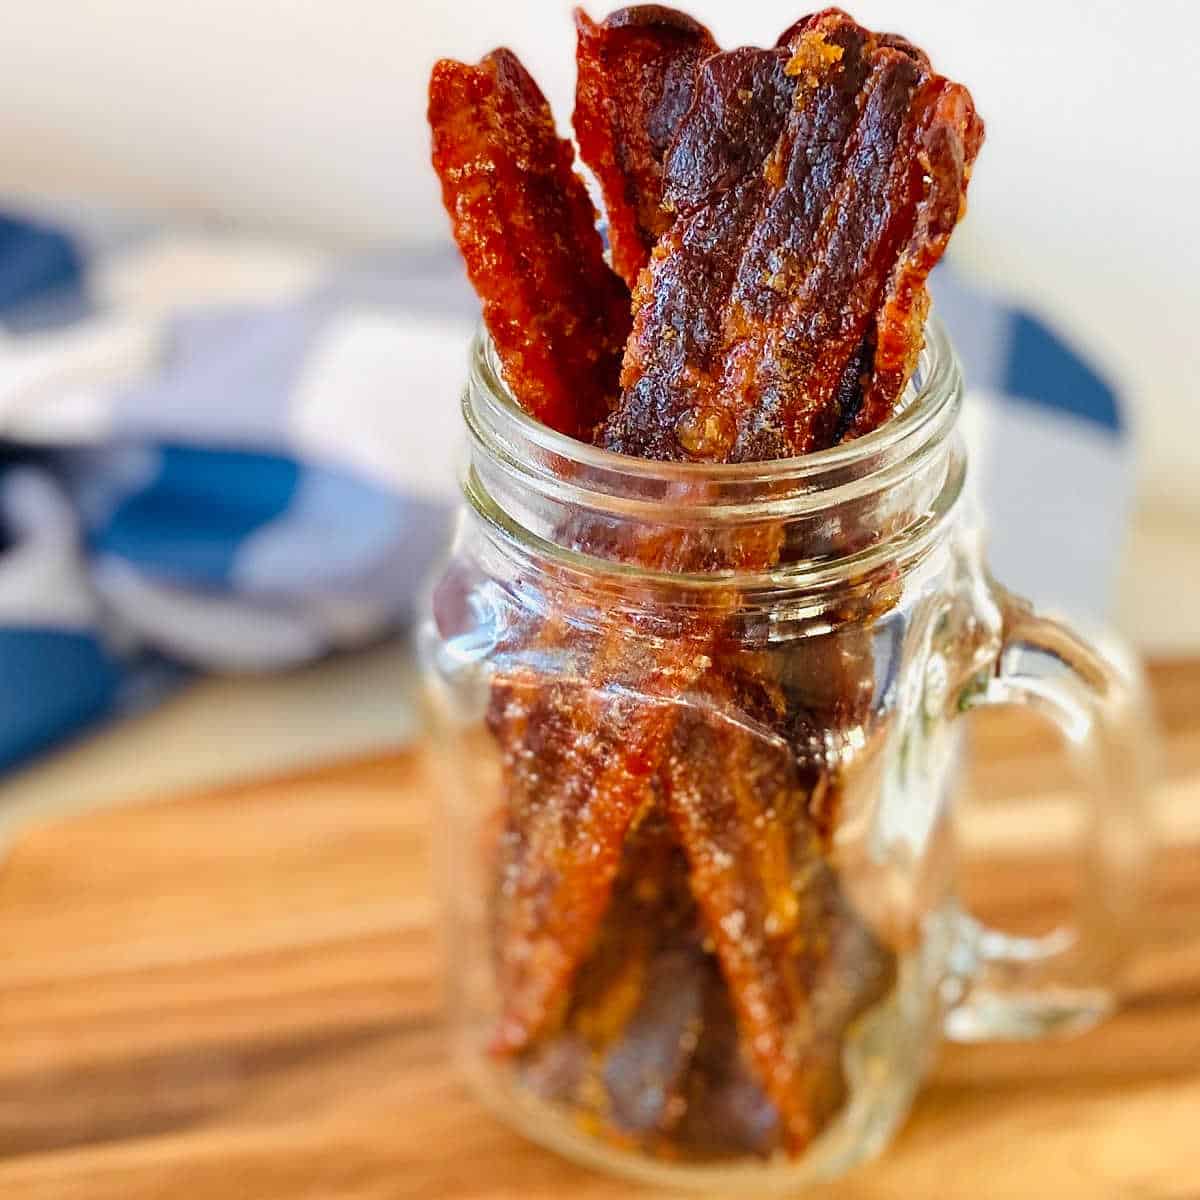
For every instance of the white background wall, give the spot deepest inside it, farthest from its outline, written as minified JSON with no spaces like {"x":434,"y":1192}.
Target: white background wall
{"x":309,"y":115}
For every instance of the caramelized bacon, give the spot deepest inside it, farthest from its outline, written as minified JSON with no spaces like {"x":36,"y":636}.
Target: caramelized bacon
{"x":580,"y":751}
{"x":802,"y":179}
{"x":947,"y":135}
{"x":557,"y":314}
{"x":790,"y":203}
{"x":636,"y":77}
{"x":771,"y":903}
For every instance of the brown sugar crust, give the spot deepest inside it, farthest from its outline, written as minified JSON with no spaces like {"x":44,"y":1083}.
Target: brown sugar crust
{"x":556,"y":313}
{"x":784,"y":307}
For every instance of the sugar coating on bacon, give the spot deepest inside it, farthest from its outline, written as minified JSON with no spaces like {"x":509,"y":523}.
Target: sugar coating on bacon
{"x":579,"y":758}
{"x":783,"y":309}
{"x":771,"y":903}
{"x":557,"y":314}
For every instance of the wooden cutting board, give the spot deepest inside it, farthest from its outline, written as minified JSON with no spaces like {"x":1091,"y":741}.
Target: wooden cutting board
{"x":235,"y":994}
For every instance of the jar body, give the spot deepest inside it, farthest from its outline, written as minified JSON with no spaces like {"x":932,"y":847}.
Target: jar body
{"x":697,"y":858}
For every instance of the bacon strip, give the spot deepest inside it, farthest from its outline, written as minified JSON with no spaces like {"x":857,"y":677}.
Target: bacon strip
{"x":580,"y":749}
{"x":521,"y":216}
{"x":948,"y":138}
{"x":741,"y":798}
{"x":799,"y":182}
{"x":636,"y":76}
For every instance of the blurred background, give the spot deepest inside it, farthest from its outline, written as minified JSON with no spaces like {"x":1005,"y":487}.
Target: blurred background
{"x":231,"y":341}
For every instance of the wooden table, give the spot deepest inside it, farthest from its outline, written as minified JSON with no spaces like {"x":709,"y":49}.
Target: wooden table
{"x":235,"y":994}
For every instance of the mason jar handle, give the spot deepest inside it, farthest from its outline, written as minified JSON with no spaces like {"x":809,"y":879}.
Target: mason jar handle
{"x":1008,"y":987}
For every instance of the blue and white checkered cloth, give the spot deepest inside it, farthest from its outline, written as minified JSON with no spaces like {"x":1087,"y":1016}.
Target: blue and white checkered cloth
{"x":227,"y":455}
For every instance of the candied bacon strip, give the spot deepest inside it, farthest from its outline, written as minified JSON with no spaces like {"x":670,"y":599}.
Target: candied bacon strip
{"x":557,"y":314}
{"x":799,"y":963}
{"x":722,"y":173}
{"x":651,"y":907}
{"x":756,"y":329}
{"x":574,"y":790}
{"x":579,"y":757}
{"x":793,"y":357}
{"x":727,"y":1111}
{"x":735,"y":818}
{"x":949,"y":137}
{"x":639,"y":998}
{"x":645,"y":1069}
{"x":637,"y":1008}
{"x":781,"y":355}
{"x":636,"y":76}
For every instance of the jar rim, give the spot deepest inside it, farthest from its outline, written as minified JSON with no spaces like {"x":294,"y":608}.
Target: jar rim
{"x":925,"y":409}
{"x":521,"y":475}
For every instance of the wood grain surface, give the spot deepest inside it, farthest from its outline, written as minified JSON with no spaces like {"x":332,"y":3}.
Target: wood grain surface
{"x":236,"y":994}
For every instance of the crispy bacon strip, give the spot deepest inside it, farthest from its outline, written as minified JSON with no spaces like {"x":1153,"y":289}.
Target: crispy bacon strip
{"x":717,"y":181}
{"x":636,"y":76}
{"x":526,"y":228}
{"x":948,"y":138}
{"x":799,"y":179}
{"x":577,"y":754}
{"x":580,"y":750}
{"x":800,"y":965}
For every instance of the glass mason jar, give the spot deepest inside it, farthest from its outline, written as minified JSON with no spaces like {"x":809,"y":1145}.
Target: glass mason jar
{"x":701,"y":726}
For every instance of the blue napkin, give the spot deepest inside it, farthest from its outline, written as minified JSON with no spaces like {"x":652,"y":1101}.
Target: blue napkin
{"x":182,"y":531}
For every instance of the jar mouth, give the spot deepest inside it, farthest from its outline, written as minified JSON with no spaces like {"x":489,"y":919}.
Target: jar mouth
{"x":878,"y":501}
{"x":929,"y":404}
